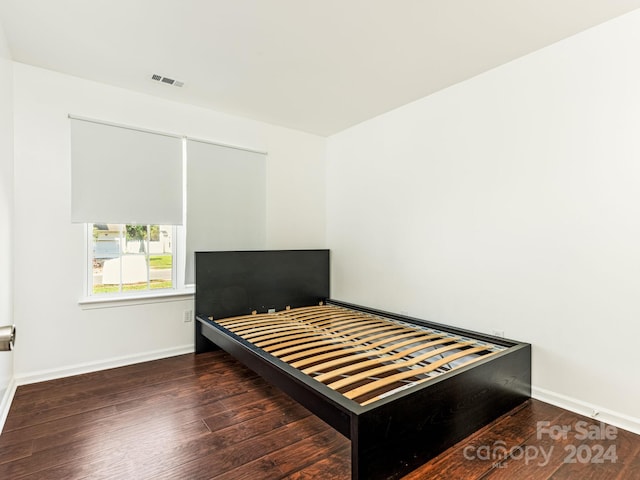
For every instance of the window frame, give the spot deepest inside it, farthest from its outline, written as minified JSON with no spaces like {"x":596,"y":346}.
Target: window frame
{"x":177,"y":289}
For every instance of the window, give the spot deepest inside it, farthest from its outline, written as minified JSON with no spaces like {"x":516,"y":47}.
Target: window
{"x":142,"y":193}
{"x":128,"y":258}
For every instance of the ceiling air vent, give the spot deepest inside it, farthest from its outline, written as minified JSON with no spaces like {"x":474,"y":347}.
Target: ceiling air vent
{"x":167,"y":80}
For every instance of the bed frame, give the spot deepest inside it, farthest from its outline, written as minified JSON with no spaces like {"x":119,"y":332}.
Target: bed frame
{"x":265,"y":308}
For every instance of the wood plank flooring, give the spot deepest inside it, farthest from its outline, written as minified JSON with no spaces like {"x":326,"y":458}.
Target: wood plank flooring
{"x":207,"y":417}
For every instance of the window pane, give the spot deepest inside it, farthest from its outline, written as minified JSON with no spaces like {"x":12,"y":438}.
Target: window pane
{"x":160,"y":256}
{"x":106,"y":254}
{"x":160,"y":271}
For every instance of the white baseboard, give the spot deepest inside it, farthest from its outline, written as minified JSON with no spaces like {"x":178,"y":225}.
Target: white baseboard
{"x":595,"y":412}
{"x":44,"y":375}
{"x":5,"y":403}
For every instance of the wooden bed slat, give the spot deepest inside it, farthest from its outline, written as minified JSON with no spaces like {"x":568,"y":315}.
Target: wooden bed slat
{"x":320,"y":323}
{"x":321,"y":329}
{"x":334,"y":347}
{"x":260,"y":320}
{"x":366,"y":353}
{"x":249,"y":333}
{"x":277,"y":336}
{"x":283,"y":316}
{"x":256,"y":320}
{"x":380,"y":359}
{"x":341,"y":346}
{"x":272,"y":339}
{"x":396,"y":366}
{"x":330,"y":343}
{"x":338,"y":336}
{"x":370,"y":387}
{"x":363,"y":346}
{"x":327,"y":314}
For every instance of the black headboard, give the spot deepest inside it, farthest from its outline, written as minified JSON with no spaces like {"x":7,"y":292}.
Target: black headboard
{"x":236,"y":283}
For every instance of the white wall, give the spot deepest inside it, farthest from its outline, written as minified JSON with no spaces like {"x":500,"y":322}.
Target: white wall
{"x":56,"y":334}
{"x":510,"y":202}
{"x":6,"y":217}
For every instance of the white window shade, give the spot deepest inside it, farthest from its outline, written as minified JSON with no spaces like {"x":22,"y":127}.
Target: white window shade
{"x":124,"y":175}
{"x":226,"y":196}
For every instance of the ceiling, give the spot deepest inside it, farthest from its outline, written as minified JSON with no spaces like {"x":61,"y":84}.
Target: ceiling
{"x":314,"y":65}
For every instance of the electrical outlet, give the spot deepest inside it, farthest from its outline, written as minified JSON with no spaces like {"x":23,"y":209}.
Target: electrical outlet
{"x":497,"y":333}
{"x":187,"y":316}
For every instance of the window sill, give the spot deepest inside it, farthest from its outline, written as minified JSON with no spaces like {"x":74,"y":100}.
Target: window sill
{"x":110,"y":301}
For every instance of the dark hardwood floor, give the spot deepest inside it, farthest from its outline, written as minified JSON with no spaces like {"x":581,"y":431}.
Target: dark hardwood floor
{"x":207,"y":417}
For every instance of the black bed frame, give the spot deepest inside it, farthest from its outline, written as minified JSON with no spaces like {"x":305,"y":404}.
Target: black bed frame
{"x":391,"y":436}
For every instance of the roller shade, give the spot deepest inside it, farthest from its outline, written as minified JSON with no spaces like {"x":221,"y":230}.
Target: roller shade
{"x":124,"y":175}
{"x":226,"y":192}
